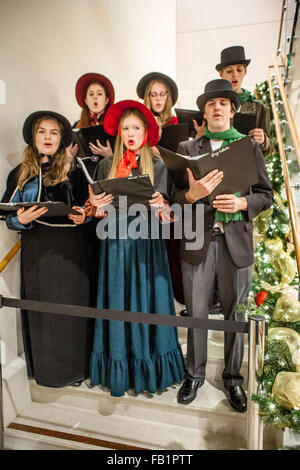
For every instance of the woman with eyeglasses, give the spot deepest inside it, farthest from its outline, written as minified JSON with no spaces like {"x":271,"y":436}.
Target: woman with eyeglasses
{"x":159,"y":93}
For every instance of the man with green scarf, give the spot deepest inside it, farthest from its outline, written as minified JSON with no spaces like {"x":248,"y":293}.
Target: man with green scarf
{"x":233,"y":67}
{"x":225,"y":261}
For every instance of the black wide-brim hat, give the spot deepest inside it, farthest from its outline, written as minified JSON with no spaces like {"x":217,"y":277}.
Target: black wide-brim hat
{"x":231,"y":56}
{"x":218,"y":88}
{"x":83,"y":83}
{"x":67,"y":133}
{"x":160,"y":77}
{"x":114,"y":114}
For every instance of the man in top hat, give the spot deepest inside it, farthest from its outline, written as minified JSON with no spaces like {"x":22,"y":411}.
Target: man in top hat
{"x":226,"y":258}
{"x":233,"y":67}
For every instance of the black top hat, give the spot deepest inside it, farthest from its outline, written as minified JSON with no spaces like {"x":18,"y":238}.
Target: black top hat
{"x":67,"y":133}
{"x":218,"y":88}
{"x":232,"y":55}
{"x":142,"y":85}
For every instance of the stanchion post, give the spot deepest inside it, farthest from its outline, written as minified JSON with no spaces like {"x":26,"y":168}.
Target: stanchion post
{"x":256,"y":344}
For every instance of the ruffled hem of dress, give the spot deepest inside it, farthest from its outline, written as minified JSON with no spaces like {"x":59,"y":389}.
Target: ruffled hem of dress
{"x":157,"y":373}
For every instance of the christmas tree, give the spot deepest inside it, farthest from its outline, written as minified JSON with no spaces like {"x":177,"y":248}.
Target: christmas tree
{"x":275,"y":293}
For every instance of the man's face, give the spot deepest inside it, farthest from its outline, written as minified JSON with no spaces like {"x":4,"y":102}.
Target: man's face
{"x":235,"y":75}
{"x":218,"y":113}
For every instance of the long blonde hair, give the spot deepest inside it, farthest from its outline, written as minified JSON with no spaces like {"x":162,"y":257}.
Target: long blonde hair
{"x":166,"y":115}
{"x":59,"y":169}
{"x":146,"y":163}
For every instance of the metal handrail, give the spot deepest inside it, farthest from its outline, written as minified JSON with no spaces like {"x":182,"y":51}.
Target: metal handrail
{"x":280,"y":27}
{"x":289,"y":193}
{"x":287,"y":109}
{"x":9,"y":256}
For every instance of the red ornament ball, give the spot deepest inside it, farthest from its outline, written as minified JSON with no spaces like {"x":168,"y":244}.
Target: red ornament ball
{"x":260,"y":298}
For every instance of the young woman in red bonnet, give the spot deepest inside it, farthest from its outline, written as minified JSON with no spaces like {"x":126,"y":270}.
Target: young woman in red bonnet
{"x":133,"y":272}
{"x":94,"y":94}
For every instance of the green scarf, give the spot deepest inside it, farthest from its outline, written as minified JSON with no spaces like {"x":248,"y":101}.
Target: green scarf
{"x":246,"y":95}
{"x":227,"y":136}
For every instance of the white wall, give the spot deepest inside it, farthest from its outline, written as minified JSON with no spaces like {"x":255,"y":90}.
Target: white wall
{"x":45,"y":46}
{"x":205,"y":27}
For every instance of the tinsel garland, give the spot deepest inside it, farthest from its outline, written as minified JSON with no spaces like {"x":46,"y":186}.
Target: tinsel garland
{"x":277,"y":359}
{"x":276,"y":415}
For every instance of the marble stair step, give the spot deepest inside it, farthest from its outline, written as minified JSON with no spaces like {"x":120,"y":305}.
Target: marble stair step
{"x":210,"y":412}
{"x":116,"y":429}
{"x":147,"y":421}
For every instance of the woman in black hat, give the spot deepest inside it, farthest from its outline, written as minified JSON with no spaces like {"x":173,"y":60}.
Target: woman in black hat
{"x":233,"y":67}
{"x":159,"y":93}
{"x":54,"y":259}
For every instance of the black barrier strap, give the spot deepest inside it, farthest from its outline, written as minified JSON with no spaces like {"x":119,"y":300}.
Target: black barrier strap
{"x":133,"y":317}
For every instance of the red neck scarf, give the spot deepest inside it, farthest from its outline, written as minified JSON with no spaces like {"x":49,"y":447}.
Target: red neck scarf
{"x":94,"y":119}
{"x":128,"y":161}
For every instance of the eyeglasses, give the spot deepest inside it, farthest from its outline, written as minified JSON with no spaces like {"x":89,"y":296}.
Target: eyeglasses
{"x":160,"y":95}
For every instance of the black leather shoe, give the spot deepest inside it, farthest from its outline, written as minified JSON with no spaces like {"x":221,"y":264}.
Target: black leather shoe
{"x":236,"y":397}
{"x":188,"y":391}
{"x":183,"y":312}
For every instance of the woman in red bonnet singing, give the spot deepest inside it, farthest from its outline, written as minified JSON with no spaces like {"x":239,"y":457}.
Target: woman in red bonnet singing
{"x":133,"y":272}
{"x":94,"y":94}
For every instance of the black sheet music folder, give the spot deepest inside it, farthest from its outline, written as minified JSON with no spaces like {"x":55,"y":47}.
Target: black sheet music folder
{"x":55,"y":208}
{"x":85,"y":135}
{"x":187,"y":116}
{"x":236,"y":160}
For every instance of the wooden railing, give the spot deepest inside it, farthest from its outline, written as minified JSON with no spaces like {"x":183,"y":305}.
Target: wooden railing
{"x":9,"y":256}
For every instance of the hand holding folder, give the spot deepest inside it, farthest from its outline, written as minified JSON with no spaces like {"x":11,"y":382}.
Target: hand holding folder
{"x":235,"y":160}
{"x":138,"y":189}
{"x":189,"y":116}
{"x":55,"y":209}
{"x":86,"y":135}
{"x":244,"y":122}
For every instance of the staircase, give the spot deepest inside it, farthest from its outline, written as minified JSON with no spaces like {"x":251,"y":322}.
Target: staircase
{"x":90,"y":418}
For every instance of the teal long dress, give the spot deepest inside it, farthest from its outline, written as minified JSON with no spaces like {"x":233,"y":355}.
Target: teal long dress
{"x":134,"y":276}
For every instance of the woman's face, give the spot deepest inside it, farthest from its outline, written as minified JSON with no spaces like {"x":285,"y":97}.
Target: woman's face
{"x":48,"y":137}
{"x":96,"y":98}
{"x":133,"y":132}
{"x":158,"y":97}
